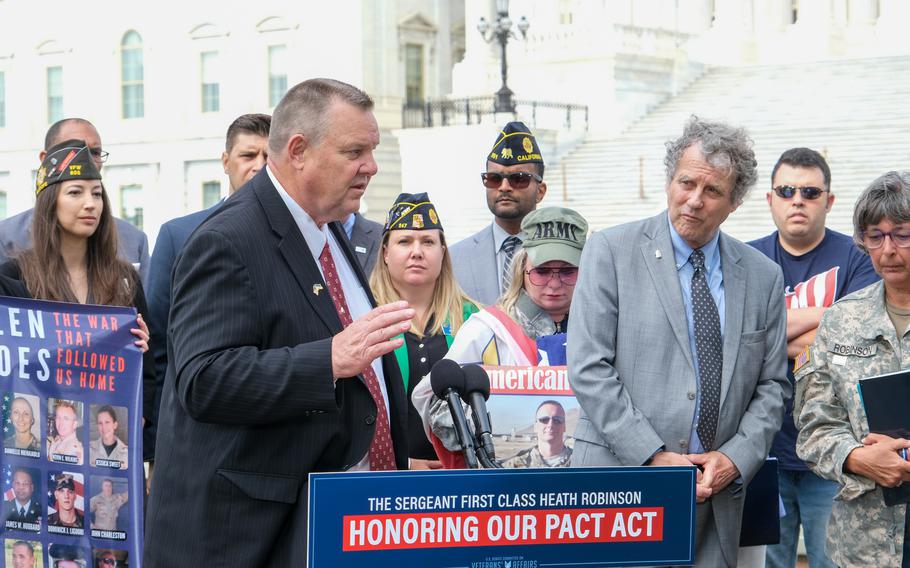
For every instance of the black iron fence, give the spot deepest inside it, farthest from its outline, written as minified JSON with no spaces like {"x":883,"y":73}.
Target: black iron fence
{"x":472,"y":110}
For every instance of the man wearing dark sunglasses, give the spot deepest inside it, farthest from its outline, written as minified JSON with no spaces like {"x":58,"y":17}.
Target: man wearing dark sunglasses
{"x":16,"y":231}
{"x":514,"y":185}
{"x":819,"y":266}
{"x":550,"y":449}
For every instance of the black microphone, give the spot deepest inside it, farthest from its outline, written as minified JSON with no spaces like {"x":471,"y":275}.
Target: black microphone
{"x":448,"y":381}
{"x":476,"y":392}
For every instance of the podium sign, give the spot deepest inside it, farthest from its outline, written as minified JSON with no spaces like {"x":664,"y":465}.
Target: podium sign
{"x":505,"y":518}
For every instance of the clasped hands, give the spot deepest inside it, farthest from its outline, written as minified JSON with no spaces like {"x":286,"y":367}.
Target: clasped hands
{"x":715,"y":470}
{"x":879,"y":461}
{"x":369,"y":337}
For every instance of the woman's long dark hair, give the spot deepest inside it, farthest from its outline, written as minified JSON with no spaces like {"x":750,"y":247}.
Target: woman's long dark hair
{"x":111,"y":279}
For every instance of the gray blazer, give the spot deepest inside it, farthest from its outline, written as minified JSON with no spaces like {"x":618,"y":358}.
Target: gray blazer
{"x":631,"y":366}
{"x":365,"y":238}
{"x":474,"y":260}
{"x":16,"y":233}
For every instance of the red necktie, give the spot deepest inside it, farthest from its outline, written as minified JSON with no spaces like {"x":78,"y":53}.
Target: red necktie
{"x":382,"y":456}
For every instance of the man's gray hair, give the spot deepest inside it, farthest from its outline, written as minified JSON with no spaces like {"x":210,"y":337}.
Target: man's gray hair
{"x":723,"y":146}
{"x":303,"y":110}
{"x":887,"y":197}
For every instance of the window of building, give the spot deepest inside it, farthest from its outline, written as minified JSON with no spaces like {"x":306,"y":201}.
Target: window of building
{"x":211,"y":97}
{"x":2,"y":205}
{"x":565,"y":12}
{"x":132,"y":90}
{"x":278,"y":75}
{"x":413,"y":74}
{"x":131,"y":204}
{"x":54,"y":94}
{"x":2,"y":99}
{"x":211,"y":193}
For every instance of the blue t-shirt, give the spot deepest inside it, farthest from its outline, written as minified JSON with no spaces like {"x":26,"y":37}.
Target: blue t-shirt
{"x":827,"y":273}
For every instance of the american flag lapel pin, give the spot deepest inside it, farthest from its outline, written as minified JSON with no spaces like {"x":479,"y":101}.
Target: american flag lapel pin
{"x":317,"y":288}
{"x":657,"y":254}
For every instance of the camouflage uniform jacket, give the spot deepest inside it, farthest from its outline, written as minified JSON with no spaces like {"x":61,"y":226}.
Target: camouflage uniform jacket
{"x":855,"y":339}
{"x":531,"y":457}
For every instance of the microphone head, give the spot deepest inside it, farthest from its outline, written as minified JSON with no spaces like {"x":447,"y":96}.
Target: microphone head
{"x":446,"y":374}
{"x":475,"y":380}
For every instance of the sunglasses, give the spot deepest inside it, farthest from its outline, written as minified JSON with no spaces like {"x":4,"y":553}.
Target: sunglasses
{"x":517,"y":180}
{"x":542,"y":276}
{"x":875,"y":239}
{"x":808,"y":192}
{"x":556,"y":419}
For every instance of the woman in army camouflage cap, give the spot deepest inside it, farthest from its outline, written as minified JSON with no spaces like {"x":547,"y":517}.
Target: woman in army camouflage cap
{"x":862,"y":335}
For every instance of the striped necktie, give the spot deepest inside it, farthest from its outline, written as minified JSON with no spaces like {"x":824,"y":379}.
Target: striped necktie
{"x":508,"y":247}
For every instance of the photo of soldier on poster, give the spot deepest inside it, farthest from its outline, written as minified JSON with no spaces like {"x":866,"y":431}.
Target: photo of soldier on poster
{"x":66,"y":504}
{"x":107,"y":432}
{"x":23,"y":553}
{"x":22,"y":498}
{"x":21,"y":425}
{"x":64,"y":419}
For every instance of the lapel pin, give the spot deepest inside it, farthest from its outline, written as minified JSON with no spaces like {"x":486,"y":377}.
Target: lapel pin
{"x":657,"y":254}
{"x":361,"y":250}
{"x":317,"y":288}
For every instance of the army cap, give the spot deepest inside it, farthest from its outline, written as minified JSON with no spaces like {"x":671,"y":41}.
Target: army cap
{"x":554,"y":233}
{"x":65,"y":481}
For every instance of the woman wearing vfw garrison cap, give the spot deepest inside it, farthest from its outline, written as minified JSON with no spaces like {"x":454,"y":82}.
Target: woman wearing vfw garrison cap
{"x":73,"y":257}
{"x":527,"y":326}
{"x":415,"y":266}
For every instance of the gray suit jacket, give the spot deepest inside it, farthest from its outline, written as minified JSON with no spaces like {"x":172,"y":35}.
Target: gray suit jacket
{"x":365,"y":238}
{"x":631,"y":366}
{"x":474,"y":260}
{"x":16,"y":233}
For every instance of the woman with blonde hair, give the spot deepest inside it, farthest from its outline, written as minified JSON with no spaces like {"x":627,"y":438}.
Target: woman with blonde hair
{"x":73,"y":257}
{"x":415,"y":266}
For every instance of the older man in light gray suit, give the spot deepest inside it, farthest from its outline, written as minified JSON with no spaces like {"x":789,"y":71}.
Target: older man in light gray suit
{"x":514,"y":183}
{"x":16,"y":231}
{"x":677,"y":341}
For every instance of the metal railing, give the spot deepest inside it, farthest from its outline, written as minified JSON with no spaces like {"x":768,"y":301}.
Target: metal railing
{"x":472,"y":110}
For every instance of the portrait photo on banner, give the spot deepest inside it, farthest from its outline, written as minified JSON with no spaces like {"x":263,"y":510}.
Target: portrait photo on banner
{"x":23,"y":552}
{"x":65,"y":431}
{"x":21,"y":425}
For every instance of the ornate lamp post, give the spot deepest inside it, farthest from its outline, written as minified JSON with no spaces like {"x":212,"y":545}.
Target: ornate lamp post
{"x":501,"y":31}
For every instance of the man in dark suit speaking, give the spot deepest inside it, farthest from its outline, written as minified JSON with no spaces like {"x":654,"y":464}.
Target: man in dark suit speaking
{"x":278,"y":363}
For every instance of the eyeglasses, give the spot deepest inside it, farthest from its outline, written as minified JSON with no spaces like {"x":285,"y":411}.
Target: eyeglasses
{"x":99,"y":154}
{"x":517,"y":180}
{"x":808,"y":192}
{"x":542,"y":276}
{"x":555,"y":419}
{"x":875,"y":239}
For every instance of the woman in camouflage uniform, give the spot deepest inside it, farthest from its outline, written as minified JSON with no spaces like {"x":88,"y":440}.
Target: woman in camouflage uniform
{"x":864,"y":334}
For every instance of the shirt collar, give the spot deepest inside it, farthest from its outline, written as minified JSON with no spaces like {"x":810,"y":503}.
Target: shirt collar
{"x":682,"y":250}
{"x":500,"y":235}
{"x":348,"y":224}
{"x":314,"y":236}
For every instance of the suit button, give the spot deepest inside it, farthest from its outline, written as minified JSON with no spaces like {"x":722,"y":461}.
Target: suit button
{"x":369,"y":420}
{"x":683,"y":444}
{"x":691,"y":395}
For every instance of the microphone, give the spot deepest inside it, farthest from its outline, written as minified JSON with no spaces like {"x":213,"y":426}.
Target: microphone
{"x":476,"y":392}
{"x":448,"y":381}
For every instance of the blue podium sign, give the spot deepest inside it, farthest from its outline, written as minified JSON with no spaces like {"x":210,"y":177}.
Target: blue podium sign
{"x":503,"y":518}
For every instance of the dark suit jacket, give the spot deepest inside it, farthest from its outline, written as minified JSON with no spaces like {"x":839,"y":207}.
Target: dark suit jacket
{"x":16,"y":235}
{"x":171,"y":238}
{"x":249,"y":406}
{"x":366,"y":237}
{"x":32,"y":512}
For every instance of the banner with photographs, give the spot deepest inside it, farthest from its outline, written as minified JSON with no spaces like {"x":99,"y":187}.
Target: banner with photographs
{"x":73,"y":485}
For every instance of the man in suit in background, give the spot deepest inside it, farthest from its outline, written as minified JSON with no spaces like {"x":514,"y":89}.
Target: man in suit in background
{"x":677,"y":342}
{"x":514,"y":183}
{"x":278,"y":363}
{"x":245,"y":153}
{"x":16,"y":231}
{"x":365,"y":236}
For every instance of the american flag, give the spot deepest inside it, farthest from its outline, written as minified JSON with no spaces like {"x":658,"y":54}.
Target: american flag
{"x":52,"y":484}
{"x":7,"y":418}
